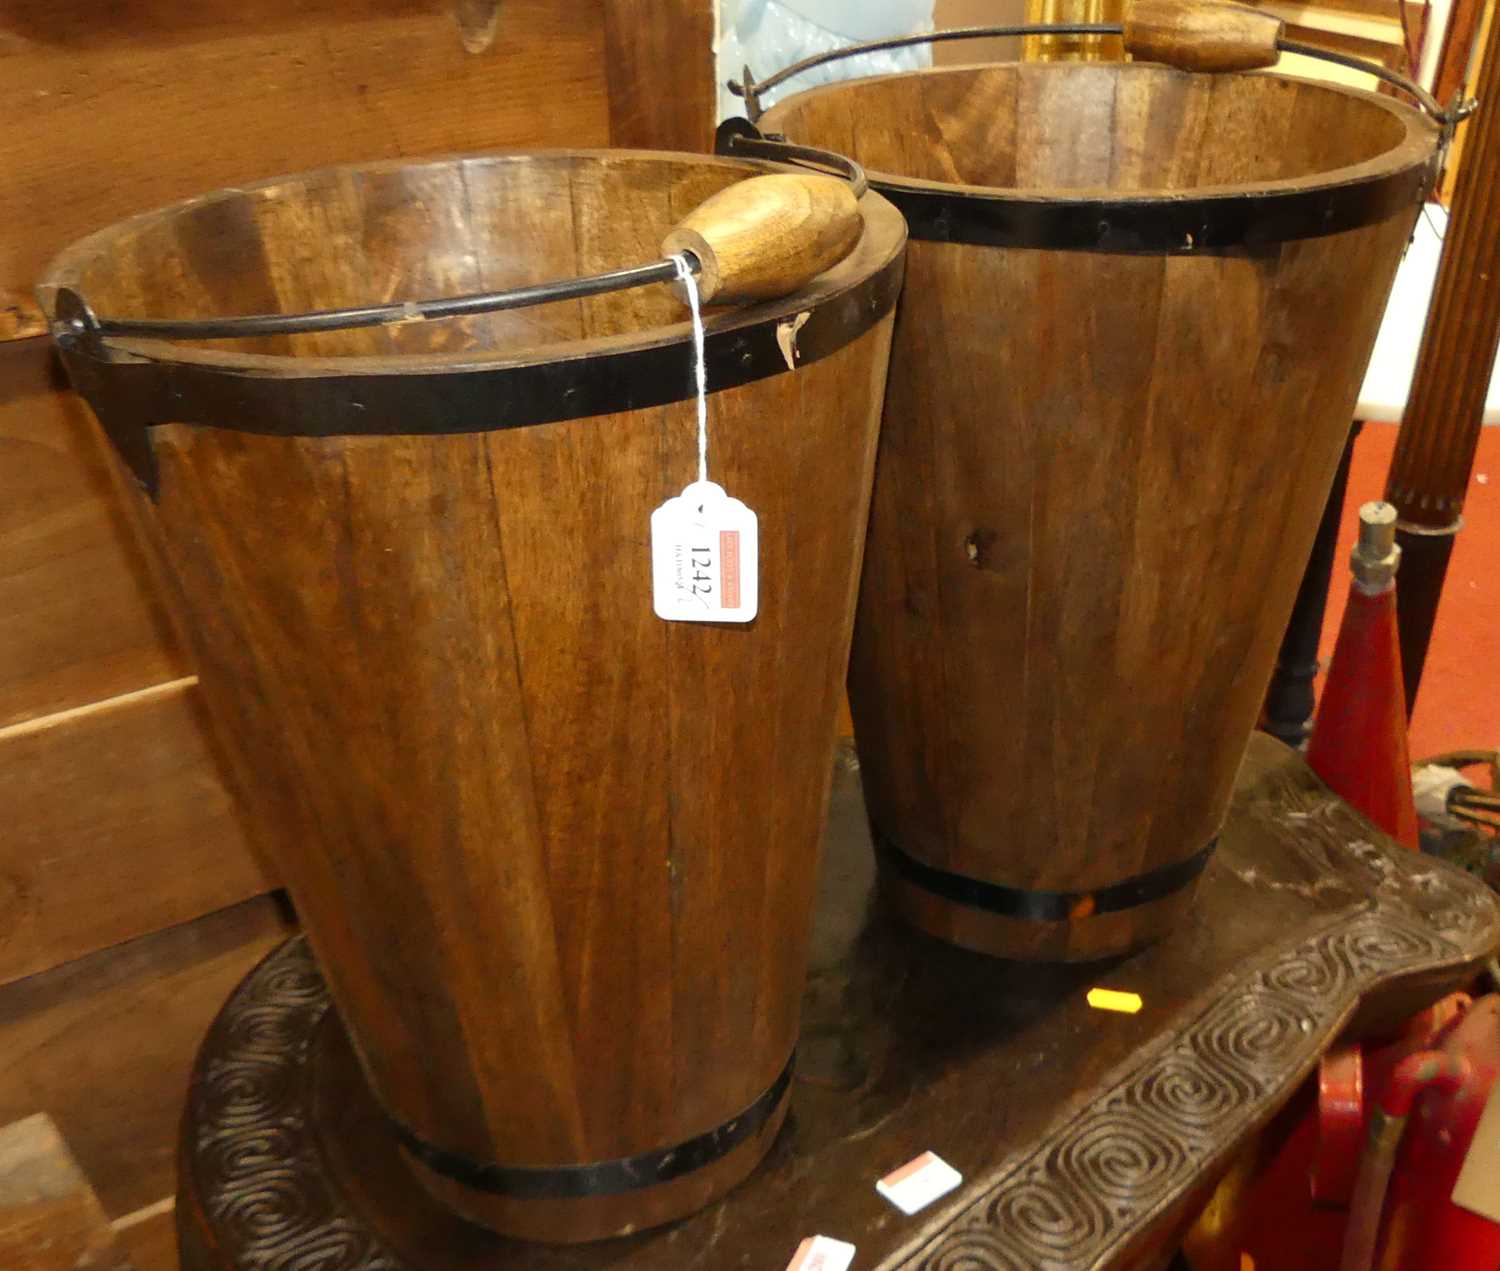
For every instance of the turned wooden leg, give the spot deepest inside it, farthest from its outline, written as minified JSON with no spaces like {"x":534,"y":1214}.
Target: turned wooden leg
{"x":1289,"y":700}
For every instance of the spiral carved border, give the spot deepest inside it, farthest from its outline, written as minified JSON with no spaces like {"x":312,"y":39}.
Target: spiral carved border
{"x":1090,"y":1185}
{"x":1098,"y":1180}
{"x":259,"y":1172}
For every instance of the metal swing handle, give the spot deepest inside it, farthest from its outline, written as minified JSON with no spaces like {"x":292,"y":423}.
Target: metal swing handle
{"x":1191,"y":35}
{"x":758,"y":239}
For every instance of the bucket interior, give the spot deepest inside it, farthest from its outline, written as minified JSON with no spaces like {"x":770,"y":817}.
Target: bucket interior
{"x":383,"y":233}
{"x":1042,"y":128}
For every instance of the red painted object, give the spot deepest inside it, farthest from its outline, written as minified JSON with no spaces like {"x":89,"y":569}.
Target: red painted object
{"x":1432,"y":1073}
{"x":1341,"y":1125}
{"x":1358,"y":744}
{"x":1423,"y":1230}
{"x":1291,"y":1213}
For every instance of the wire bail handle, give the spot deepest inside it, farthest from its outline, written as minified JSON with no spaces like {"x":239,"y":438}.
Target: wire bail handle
{"x":1194,"y":35}
{"x":757,"y":239}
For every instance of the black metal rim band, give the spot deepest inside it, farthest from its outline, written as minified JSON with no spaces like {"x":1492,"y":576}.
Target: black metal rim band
{"x":601,"y":1178}
{"x":1043,"y":906}
{"x":1154,"y":227}
{"x":129,"y":396}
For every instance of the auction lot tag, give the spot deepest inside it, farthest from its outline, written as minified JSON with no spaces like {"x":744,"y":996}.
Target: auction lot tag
{"x":821,"y":1253}
{"x":705,"y":549}
{"x":919,"y":1182}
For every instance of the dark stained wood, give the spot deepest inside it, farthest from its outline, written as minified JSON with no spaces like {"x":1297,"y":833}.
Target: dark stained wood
{"x":659,"y":59}
{"x":1099,"y":474}
{"x":557,"y":854}
{"x":1085,"y":1139}
{"x":50,"y":1219}
{"x":149,"y":94}
{"x":105,"y":1044}
{"x":1435,"y":448}
{"x":119,"y":827}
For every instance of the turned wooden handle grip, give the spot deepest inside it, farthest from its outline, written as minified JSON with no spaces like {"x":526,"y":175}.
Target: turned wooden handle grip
{"x":1201,"y":35}
{"x":768,"y":236}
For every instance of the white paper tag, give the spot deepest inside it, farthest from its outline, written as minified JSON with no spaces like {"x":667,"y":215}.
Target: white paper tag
{"x":1477,"y":1187}
{"x":919,"y":1182}
{"x":822,"y":1253}
{"x":705,"y":548}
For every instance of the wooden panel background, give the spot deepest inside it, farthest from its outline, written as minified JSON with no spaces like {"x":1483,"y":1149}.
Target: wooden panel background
{"x":125,"y":828}
{"x":660,"y":63}
{"x":117,"y":821}
{"x":113,"y":109}
{"x":105,"y":1044}
{"x":77,"y":620}
{"x":120,"y":824}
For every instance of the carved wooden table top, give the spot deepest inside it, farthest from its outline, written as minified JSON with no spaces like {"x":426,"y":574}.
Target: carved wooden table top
{"x":1084,"y":1138}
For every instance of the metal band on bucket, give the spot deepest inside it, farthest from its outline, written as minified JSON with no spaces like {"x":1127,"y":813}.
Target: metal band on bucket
{"x":601,"y":1178}
{"x":129,"y":394}
{"x":1185,"y":226}
{"x":1043,"y":906}
{"x":1182,"y":222}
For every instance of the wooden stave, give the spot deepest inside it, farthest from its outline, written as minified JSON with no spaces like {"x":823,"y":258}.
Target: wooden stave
{"x":918,"y":795}
{"x":831,"y":500}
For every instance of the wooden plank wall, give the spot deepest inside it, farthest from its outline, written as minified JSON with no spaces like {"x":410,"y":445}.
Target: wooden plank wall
{"x":117,"y":825}
{"x":116,"y":108}
{"x":105,"y":1044}
{"x":661,"y":85}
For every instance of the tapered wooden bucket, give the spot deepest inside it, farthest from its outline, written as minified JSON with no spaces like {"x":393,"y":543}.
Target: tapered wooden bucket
{"x":555,"y":854}
{"x":1138,"y":308}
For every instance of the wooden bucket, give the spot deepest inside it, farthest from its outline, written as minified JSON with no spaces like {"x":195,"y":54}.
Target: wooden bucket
{"x":556,"y":856}
{"x":1139,"y":305}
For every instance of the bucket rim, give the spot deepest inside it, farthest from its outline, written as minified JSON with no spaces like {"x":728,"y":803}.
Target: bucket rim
{"x":880,"y":247}
{"x":1154,"y":220}
{"x":135,"y":384}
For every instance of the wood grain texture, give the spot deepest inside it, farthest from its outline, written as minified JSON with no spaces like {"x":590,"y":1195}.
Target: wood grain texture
{"x":767,"y":237}
{"x":1099,"y":476}
{"x":148,"y":94}
{"x":1084,"y":1139}
{"x":50,"y":1219}
{"x":1444,"y":412}
{"x":1201,"y":35}
{"x":118,"y":825}
{"x":105,"y":1044}
{"x":659,"y":58}
{"x":1455,"y":61}
{"x":1036,"y":130}
{"x":557,"y":854}
{"x":78,"y":622}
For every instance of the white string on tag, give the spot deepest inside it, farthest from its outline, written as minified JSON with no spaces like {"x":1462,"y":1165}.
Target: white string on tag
{"x":705,"y":545}
{"x":700,"y":361}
